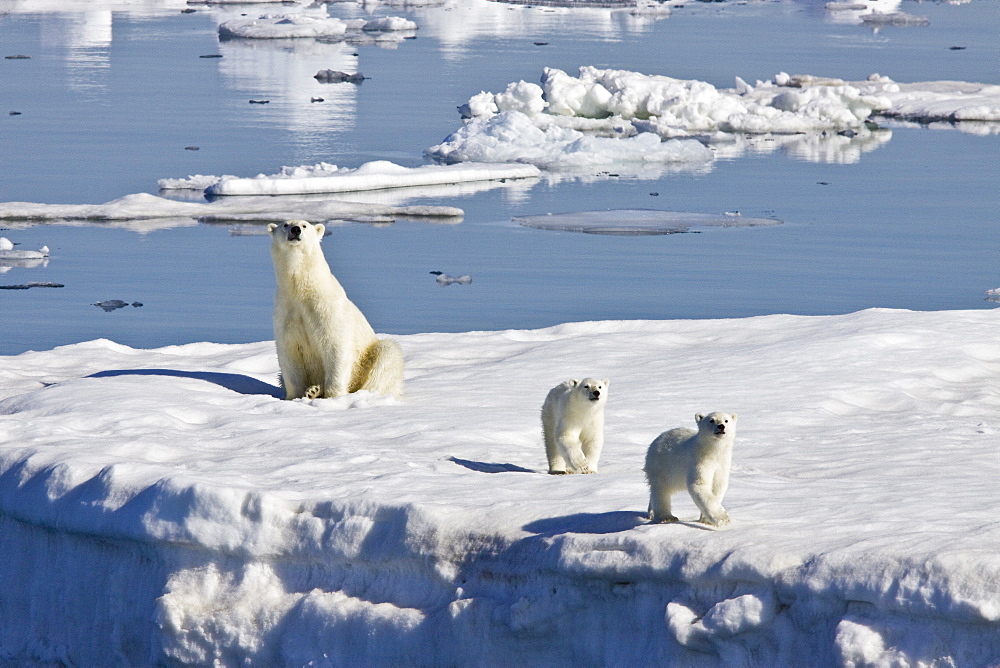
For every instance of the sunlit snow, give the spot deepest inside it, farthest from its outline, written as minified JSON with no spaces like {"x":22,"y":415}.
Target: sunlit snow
{"x":254,"y":530}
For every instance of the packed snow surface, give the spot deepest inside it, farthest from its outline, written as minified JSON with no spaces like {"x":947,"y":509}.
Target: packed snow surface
{"x":606,"y":116}
{"x":638,"y":221}
{"x":376,"y":175}
{"x":163,"y":506}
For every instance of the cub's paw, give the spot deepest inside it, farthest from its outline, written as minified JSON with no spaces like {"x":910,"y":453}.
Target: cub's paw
{"x":557,"y":472}
{"x":662,"y":520}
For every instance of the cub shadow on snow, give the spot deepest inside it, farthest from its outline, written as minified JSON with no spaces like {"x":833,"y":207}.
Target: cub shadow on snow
{"x":230,"y":381}
{"x":593,"y":523}
{"x":486,"y":467}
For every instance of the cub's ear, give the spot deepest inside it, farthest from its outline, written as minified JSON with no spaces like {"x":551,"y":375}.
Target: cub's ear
{"x":733,"y":416}
{"x":607,"y":383}
{"x":271,"y":227}
{"x":320,"y":229}
{"x":698,"y":417}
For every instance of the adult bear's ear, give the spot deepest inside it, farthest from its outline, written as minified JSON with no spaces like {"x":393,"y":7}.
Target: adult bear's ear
{"x":320,"y":230}
{"x":733,"y":416}
{"x":698,"y":417}
{"x":607,"y":383}
{"x":271,"y":227}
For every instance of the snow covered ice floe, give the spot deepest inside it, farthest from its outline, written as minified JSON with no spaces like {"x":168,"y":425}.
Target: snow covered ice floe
{"x":254,"y":531}
{"x":143,"y":212}
{"x":630,"y":222}
{"x":309,"y":22}
{"x":606,"y":116}
{"x":375,"y":175}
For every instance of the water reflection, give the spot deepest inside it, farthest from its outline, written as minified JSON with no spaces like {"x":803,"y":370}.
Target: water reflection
{"x":283,"y":71}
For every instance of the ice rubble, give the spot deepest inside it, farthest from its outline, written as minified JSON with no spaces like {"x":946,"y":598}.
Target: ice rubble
{"x":606,"y":115}
{"x":163,"y":506}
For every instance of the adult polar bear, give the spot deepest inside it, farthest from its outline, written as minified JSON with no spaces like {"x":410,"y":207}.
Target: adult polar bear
{"x":326,"y":348}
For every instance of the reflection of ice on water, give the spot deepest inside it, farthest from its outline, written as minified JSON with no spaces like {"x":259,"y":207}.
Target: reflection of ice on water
{"x":837,"y":148}
{"x":284,"y":71}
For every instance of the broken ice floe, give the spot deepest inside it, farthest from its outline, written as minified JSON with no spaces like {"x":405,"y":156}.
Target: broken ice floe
{"x":606,"y":116}
{"x":635,"y":222}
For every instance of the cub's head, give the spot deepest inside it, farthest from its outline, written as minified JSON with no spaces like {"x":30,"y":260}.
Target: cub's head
{"x":294,"y":234}
{"x":719,"y":425}
{"x":592,"y":389}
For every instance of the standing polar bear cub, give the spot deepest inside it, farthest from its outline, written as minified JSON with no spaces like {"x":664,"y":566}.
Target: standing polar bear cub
{"x":697,"y":461}
{"x":326,"y":348}
{"x":573,"y":425}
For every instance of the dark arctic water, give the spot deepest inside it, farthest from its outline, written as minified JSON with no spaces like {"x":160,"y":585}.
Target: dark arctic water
{"x":111,"y":96}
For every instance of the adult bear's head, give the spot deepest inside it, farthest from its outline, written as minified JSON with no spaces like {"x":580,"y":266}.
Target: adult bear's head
{"x":295,"y":232}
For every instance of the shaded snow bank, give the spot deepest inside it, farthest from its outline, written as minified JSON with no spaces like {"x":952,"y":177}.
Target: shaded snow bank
{"x":605,"y":116}
{"x":251,"y":530}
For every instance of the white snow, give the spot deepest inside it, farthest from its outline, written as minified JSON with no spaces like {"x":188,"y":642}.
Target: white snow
{"x":638,"y":221}
{"x":604,"y":117}
{"x":376,"y":175}
{"x":164,"y":505}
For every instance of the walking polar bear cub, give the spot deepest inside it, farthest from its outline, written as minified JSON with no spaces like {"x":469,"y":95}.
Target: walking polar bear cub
{"x":326,"y":348}
{"x":697,"y":461}
{"x":573,"y":425}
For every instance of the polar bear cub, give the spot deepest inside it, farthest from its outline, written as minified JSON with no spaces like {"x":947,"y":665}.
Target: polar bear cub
{"x":326,"y":348}
{"x":697,"y":461}
{"x":573,"y":425}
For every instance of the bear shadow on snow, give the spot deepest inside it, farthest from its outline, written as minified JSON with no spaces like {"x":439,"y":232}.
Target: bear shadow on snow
{"x":594,"y":523}
{"x":487,"y":467}
{"x":230,"y":381}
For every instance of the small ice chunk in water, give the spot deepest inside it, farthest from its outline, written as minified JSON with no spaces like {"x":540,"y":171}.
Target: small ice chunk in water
{"x":444,"y":279}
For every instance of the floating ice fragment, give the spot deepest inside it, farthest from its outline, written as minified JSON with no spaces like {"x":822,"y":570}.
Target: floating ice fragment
{"x":636,"y":222}
{"x":335,"y":76}
{"x":114,"y":304}
{"x":7,"y":252}
{"x":894,"y":19}
{"x":444,"y":279}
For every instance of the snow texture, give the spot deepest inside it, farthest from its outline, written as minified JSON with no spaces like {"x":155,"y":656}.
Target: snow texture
{"x":164,"y":506}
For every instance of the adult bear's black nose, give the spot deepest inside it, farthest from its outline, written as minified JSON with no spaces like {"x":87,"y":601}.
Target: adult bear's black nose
{"x":596,"y":394}
{"x":294,"y":232}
